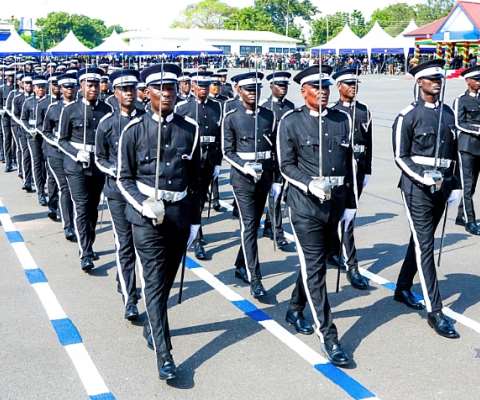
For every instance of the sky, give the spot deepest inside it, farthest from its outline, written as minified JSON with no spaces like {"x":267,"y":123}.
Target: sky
{"x":156,"y":13}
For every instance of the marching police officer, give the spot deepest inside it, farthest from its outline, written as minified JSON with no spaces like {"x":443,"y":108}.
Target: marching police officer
{"x":225,"y":87}
{"x":160,"y":184}
{"x":184,"y":87}
{"x":279,"y":105}
{"x":248,"y":144}
{"x":347,"y":84}
{"x":467,"y":121}
{"x":9,"y":146}
{"x":50,"y":132}
{"x":105,"y":91}
{"x":77,"y":126}
{"x":106,"y":155}
{"x":35,"y":141}
{"x":426,"y":151}
{"x":208,"y":115}
{"x":10,"y":122}
{"x":141,"y":100}
{"x":315,"y":157}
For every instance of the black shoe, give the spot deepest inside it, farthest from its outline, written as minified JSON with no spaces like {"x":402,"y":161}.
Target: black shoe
{"x":459,"y":221}
{"x":28,"y":189}
{"x":42,"y":200}
{"x":241,"y":273}
{"x":442,"y":325}
{"x":257,"y":290}
{"x":70,"y":235}
{"x":472,"y":228}
{"x":95,"y":256}
{"x":335,"y":354}
{"x":407,"y":297}
{"x":200,"y":253}
{"x":147,"y":334}
{"x":216,"y":206}
{"x":86,"y":264}
{"x":168,"y":370}
{"x":8,"y":168}
{"x":131,"y":312}
{"x":53,"y":215}
{"x":357,"y":280}
{"x":268,"y":232}
{"x":299,"y":322}
{"x":282,"y":243}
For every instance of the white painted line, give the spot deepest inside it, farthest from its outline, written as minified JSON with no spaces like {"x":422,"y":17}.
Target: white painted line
{"x":49,"y":301}
{"x":24,"y":256}
{"x":215,"y":283}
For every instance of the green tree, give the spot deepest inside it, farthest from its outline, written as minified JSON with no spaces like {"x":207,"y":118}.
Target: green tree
{"x":394,"y":18}
{"x":329,"y":26}
{"x":55,"y":26}
{"x":432,"y":10}
{"x":249,"y":18}
{"x":207,"y":14}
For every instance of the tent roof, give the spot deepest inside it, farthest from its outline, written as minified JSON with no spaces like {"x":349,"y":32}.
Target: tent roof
{"x":346,"y":40}
{"x":378,"y":40}
{"x":410,"y":27}
{"x":69,"y":45}
{"x":112,"y":44}
{"x":16,"y":45}
{"x":197,"y":45}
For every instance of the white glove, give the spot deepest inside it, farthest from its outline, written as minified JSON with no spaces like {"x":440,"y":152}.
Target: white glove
{"x":216,"y":172}
{"x":276,"y":190}
{"x":147,"y":210}
{"x":193,"y":234}
{"x":348,"y":216}
{"x":83,"y":156}
{"x":365,"y":180}
{"x":248,"y":169}
{"x":454,"y":197}
{"x":428,"y":180}
{"x":316,"y":191}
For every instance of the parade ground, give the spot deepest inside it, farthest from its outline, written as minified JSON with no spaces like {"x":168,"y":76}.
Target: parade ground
{"x":64,"y":336}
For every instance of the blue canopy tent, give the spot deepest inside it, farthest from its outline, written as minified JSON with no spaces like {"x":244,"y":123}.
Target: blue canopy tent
{"x":15,"y":45}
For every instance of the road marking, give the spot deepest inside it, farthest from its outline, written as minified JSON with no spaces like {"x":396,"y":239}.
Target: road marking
{"x":66,"y":331}
{"x":344,"y":381}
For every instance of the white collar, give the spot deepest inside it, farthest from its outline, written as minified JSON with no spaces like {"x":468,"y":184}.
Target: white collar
{"x":249,"y":112}
{"x":432,"y":105}
{"x":314,"y":113}
{"x":276,"y":99}
{"x":473,"y":94}
{"x":132,"y":114}
{"x":84,"y":101}
{"x":156,"y":117}
{"x":200,"y":102}
{"x":347,"y":103}
{"x":67,"y":102}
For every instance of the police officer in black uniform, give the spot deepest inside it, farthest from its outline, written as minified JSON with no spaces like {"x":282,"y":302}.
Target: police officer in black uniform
{"x":77,"y":126}
{"x":106,"y":155}
{"x":467,"y":121}
{"x":208,"y":115}
{"x":279,"y":105}
{"x":105,"y":91}
{"x":165,"y":218}
{"x":141,"y":99}
{"x":428,"y":160}
{"x":9,"y":146}
{"x":12,"y":125}
{"x":184,"y":87}
{"x":50,"y":132}
{"x":34,"y":140}
{"x":316,"y":159}
{"x":225,"y":87}
{"x":248,"y":141}
{"x":347,"y":84}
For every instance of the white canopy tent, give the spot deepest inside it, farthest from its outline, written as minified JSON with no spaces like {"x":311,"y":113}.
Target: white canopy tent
{"x":197,"y":46}
{"x":70,"y":45}
{"x":346,"y":42}
{"x":113,"y":44}
{"x":378,"y":41}
{"x":16,"y":45}
{"x":405,"y":41}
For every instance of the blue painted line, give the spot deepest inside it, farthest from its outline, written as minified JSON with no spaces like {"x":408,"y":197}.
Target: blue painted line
{"x":102,"y":396}
{"x":14,"y":237}
{"x":390,"y":286}
{"x":35,"y":276}
{"x":67,"y":333}
{"x":245,"y":306}
{"x":3,"y":210}
{"x":340,"y":378}
{"x":190,"y":263}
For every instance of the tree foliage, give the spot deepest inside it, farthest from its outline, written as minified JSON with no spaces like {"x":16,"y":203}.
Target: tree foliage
{"x":432,"y":10}
{"x":249,"y":18}
{"x":394,"y":18}
{"x":206,"y":14}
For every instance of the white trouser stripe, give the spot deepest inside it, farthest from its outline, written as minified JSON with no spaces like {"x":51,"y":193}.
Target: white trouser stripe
{"x":463,"y":186}
{"x":242,"y":238}
{"x":59,"y":192}
{"x":75,"y":220}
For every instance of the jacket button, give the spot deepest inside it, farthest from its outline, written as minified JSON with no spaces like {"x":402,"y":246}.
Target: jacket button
{"x":166,"y":145}
{"x":333,"y":169}
{"x":168,"y":164}
{"x":169,"y":182}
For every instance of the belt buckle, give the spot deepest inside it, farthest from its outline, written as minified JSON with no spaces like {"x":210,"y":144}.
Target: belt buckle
{"x":168,"y":196}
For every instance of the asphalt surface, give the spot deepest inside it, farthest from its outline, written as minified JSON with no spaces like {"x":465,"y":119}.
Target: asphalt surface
{"x":221,"y":351}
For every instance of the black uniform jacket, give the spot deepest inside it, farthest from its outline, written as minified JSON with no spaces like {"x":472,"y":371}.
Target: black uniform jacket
{"x":467,"y":121}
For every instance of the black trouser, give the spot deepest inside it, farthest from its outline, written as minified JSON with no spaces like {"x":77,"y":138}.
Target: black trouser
{"x":86,"y":188}
{"x":9,"y":146}
{"x":424,"y":211}
{"x":215,"y":192}
{"x":159,"y":250}
{"x":313,"y":239}
{"x":38,"y":162}
{"x":2,"y":142}
{"x":470,"y":169}
{"x":25,"y":156}
{"x":275,"y":207}
{"x":18,"y":146}
{"x":55,"y":165}
{"x":250,"y":198}
{"x":125,"y":251}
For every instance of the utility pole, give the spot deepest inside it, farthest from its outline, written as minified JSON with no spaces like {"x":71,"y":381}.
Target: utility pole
{"x":286,"y":29}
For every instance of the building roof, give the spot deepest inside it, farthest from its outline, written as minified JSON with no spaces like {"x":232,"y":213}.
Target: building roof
{"x":472,"y":9}
{"x":427,"y":30}
{"x":220,"y":35}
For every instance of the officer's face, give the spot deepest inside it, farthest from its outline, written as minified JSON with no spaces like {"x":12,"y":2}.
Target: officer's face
{"x":214,"y":89}
{"x":313,"y":96}
{"x":473,"y":84}
{"x":279,"y":91}
{"x":347,"y":90}
{"x":90,"y":90}
{"x":141,"y":93}
{"x":250,"y":95}
{"x":10,"y":79}
{"x":185,"y":87}
{"x":103,"y":87}
{"x":162,"y":98}
{"x":68,"y":92}
{"x":125,"y":95}
{"x":201,"y":92}
{"x":28,"y":87}
{"x":40,"y":90}
{"x":54,"y":89}
{"x":430,"y":87}
{"x":223,"y":78}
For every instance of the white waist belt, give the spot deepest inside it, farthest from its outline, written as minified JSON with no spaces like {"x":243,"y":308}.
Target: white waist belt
{"x":359,"y":148}
{"x":334,"y":180}
{"x":207,"y":139}
{"x":165,"y":195}
{"x":430,"y":161}
{"x":80,"y":146}
{"x":261,"y":155}
{"x":32,"y":122}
